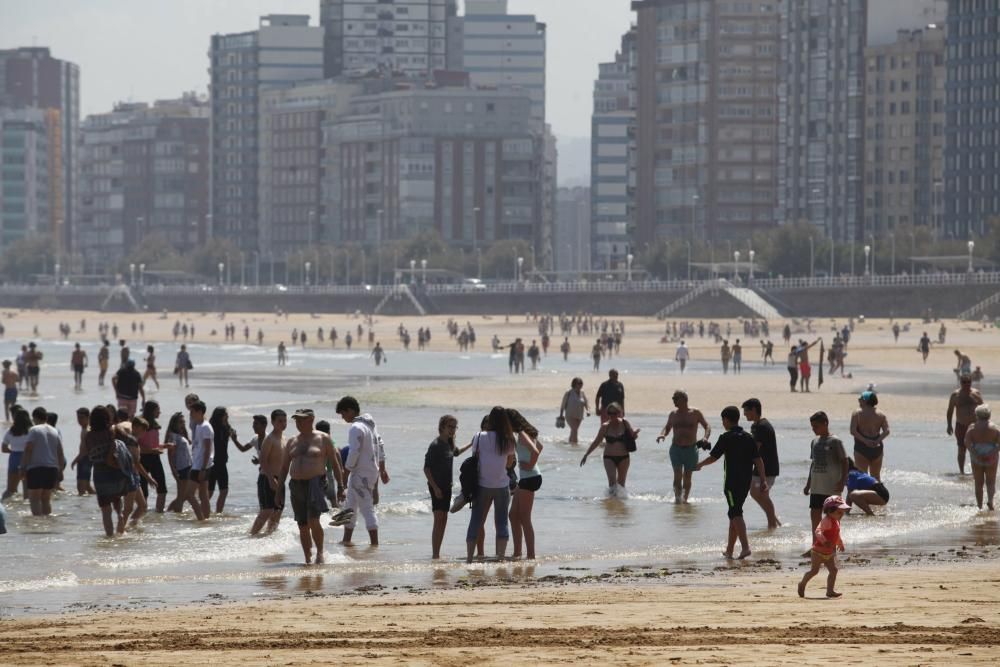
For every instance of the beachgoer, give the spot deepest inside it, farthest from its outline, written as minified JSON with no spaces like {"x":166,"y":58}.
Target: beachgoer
{"x":84,"y":468}
{"x":365,"y":466}
{"x":983,"y":443}
{"x":439,"y":471}
{"x":283,"y":352}
{"x":182,"y":365}
{"x":828,"y":468}
{"x":150,"y":373}
{"x":737,"y":357}
{"x":495,"y":446}
{"x":793,"y":367}
{"x":10,"y":380}
{"x":964,"y":365}
{"x":767,"y":445}
{"x":595,"y":354}
{"x":14,"y":442}
{"x":924,"y":346}
{"x":726,"y":354}
{"x":805,"y":368}
{"x":305,"y":459}
{"x":150,"y":451}
{"x":77,"y":362}
{"x":683,"y":421}
{"x":682,"y":355}
{"x":110,"y":480}
{"x":202,"y":453}
{"x":378,"y":354}
{"x":864,"y":490}
{"x":742,"y":460}
{"x":32,"y":366}
{"x":128,"y":387}
{"x":180,"y":459}
{"x":614,"y":435}
{"x":528,"y":449}
{"x":103,"y":355}
{"x":271,"y":455}
{"x":43,"y":463}
{"x":962,"y":404}
{"x":868,"y":449}
{"x":223,"y":432}
{"x":573,"y":408}
{"x":826,"y":543}
{"x":565,"y":348}
{"x":610,"y":391}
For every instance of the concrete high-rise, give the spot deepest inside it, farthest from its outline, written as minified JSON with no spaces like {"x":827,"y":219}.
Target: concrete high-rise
{"x":972,"y":153}
{"x":398,"y":37}
{"x":31,"y":78}
{"x":707,"y":118}
{"x":284,"y":49}
{"x":822,"y":115}
{"x":572,"y":233}
{"x":613,"y":159}
{"x":904,"y":132}
{"x":144,"y":171}
{"x":30,"y":173}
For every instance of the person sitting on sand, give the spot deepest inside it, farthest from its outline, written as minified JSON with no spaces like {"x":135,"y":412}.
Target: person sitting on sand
{"x":983,"y":443}
{"x":742,"y":459}
{"x":827,"y":542}
{"x":864,"y":490}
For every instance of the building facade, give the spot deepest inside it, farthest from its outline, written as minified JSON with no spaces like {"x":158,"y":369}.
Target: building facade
{"x":284,"y":49}
{"x":30,"y":173}
{"x":395,"y":37}
{"x":31,"y":78}
{"x":972,"y":153}
{"x":707,"y":118}
{"x":822,"y":115}
{"x":455,"y":160}
{"x":613,"y":159}
{"x":144,"y":171}
{"x":572,"y":233}
{"x":904,"y":132}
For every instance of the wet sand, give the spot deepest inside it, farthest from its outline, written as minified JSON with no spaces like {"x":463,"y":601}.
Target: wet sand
{"x":890,"y":616}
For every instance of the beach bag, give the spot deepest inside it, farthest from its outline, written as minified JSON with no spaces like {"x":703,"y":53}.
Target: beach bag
{"x":560,"y":422}
{"x":468,"y":475}
{"x":630,"y":443}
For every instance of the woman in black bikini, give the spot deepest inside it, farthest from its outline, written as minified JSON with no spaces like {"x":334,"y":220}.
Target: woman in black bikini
{"x":868,"y":448}
{"x":616,"y":456}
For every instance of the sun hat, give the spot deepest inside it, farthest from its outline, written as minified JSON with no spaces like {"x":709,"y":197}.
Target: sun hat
{"x":835,"y":503}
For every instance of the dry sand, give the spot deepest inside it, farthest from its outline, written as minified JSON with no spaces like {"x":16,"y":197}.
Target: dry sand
{"x":895,"y":616}
{"x":872,"y":348}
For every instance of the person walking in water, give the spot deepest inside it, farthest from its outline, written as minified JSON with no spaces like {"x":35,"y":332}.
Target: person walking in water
{"x":737,"y":357}
{"x":742,"y":460}
{"x":828,"y":468}
{"x":983,"y":443}
{"x":78,"y":361}
{"x":683,"y":421}
{"x":183,"y":365}
{"x":767,"y":445}
{"x":150,"y":373}
{"x":615,"y":434}
{"x":103,"y":357}
{"x":574,"y":406}
{"x":610,"y":391}
{"x":378,"y":354}
{"x":726,"y":353}
{"x":962,"y":405}
{"x":682,"y":355}
{"x":869,"y":428}
{"x":805,"y":368}
{"x":924,"y":346}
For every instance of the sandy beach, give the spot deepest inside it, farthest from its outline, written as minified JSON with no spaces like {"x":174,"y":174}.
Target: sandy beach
{"x":905,"y":615}
{"x":872,"y":347}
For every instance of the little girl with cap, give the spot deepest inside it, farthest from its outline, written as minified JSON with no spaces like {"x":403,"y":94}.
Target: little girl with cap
{"x":826,"y":543}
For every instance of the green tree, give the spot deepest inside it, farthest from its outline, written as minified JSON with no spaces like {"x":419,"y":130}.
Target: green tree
{"x":27,"y":257}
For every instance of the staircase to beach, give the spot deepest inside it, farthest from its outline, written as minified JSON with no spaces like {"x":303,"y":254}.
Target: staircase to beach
{"x":748,"y":297}
{"x":979,"y":308}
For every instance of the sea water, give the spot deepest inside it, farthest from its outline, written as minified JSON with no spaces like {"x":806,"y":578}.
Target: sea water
{"x":65,"y":562}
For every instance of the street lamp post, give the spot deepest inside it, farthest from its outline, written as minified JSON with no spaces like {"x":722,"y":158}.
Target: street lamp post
{"x":57,"y":269}
{"x":222,"y":268}
{"x":736,"y":265}
{"x":305,"y":276}
{"x":628,"y":264}
{"x":131,"y":271}
{"x":142,"y":274}
{"x":871,"y":238}
{"x":243,"y":269}
{"x":812,"y":260}
{"x":688,"y":244}
{"x":972,"y":247}
{"x":868,"y":252}
{"x":520,"y":263}
{"x":229,"y":264}
{"x":423,"y":270}
{"x":479,"y":263}
{"x":753,"y":253}
{"x":413,"y":272}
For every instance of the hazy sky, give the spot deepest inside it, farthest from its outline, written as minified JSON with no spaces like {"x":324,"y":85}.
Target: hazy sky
{"x":148,"y":49}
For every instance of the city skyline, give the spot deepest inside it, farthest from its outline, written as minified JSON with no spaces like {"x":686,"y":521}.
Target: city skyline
{"x":185,"y":26}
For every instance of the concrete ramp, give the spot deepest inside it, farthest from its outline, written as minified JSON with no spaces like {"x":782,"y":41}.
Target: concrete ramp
{"x":702,"y":288}
{"x":753,"y":301}
{"x":979,"y":308}
{"x":398,"y":293}
{"x":121,"y":292}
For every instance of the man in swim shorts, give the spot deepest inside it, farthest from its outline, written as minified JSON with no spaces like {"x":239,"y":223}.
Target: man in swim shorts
{"x":10,"y":379}
{"x":684,"y":422}
{"x":963,"y":404}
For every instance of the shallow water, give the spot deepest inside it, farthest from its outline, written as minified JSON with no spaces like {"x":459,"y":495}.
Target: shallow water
{"x":65,"y":562}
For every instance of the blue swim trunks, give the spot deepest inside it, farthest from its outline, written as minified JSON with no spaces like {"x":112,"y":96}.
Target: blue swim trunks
{"x":684,"y":457}
{"x":10,"y":395}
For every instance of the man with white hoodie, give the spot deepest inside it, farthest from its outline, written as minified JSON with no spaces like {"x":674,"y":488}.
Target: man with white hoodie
{"x":365,"y":466}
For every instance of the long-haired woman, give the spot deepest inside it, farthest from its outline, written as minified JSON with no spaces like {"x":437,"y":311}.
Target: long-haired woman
{"x":14,"y":442}
{"x":530,"y":481}
{"x":150,"y":450}
{"x":495,"y":446}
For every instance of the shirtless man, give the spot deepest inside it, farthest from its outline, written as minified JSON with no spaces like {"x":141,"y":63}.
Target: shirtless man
{"x":10,"y":379}
{"x":963,"y":404}
{"x":102,"y":362}
{"x":305,"y":459}
{"x":77,"y":362}
{"x":32,"y":363}
{"x":271,"y":454}
{"x":684,"y":422}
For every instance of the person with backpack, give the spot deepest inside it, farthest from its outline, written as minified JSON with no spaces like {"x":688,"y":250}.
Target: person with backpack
{"x":494,"y":449}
